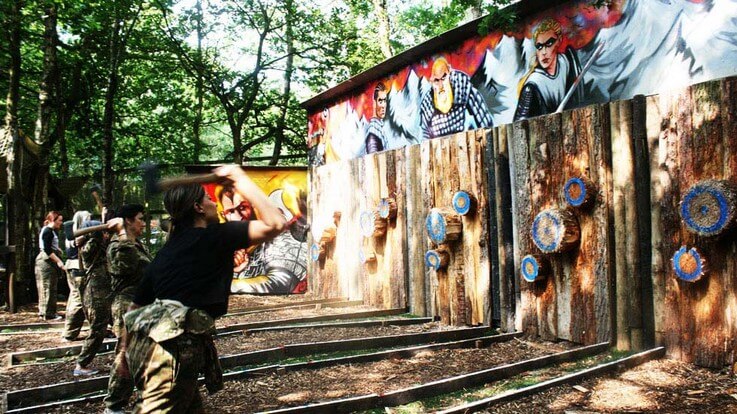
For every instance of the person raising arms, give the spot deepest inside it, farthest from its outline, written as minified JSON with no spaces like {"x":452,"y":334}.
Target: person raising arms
{"x":185,"y":288}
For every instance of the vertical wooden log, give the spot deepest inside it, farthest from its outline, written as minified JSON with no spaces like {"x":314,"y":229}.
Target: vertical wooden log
{"x":601,"y":172}
{"x":526,"y":313}
{"x":428,"y":198}
{"x":505,"y":235}
{"x":482,"y":241}
{"x":686,"y":178}
{"x":669,"y":224}
{"x":658,"y":182}
{"x":709,"y":296}
{"x":623,"y":177}
{"x":728,"y":113}
{"x":545,"y":168}
{"x":415,"y":238}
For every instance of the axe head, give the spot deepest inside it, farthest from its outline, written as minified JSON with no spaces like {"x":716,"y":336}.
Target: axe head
{"x":95,"y":188}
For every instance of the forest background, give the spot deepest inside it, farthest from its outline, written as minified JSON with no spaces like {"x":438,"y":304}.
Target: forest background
{"x":94,"y":88}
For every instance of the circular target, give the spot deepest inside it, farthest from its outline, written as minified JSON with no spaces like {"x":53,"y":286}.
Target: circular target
{"x":366,"y":222}
{"x":707,"y":208}
{"x":432,"y":259}
{"x":462,"y":203}
{"x":688,"y":264}
{"x":530,"y":268}
{"x":315,"y":252}
{"x":577,"y":192}
{"x":436,"y":226}
{"x":554,"y":230}
{"x":384,"y":208}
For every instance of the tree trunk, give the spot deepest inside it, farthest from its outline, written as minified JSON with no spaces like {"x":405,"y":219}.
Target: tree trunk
{"x":108,"y":119}
{"x":199,"y":87}
{"x":17,"y":219}
{"x":46,"y":101}
{"x":289,"y":69}
{"x":382,"y":16}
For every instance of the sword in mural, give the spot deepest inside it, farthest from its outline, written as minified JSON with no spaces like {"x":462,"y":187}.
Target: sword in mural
{"x":597,"y":53}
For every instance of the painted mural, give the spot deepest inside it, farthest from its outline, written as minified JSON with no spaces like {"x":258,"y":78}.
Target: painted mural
{"x":280,"y":266}
{"x":570,"y":56}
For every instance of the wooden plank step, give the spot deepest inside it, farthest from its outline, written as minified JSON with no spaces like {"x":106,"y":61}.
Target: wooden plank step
{"x":72,"y":389}
{"x":305,"y":304}
{"x":443,"y":386}
{"x":622,"y":363}
{"x":27,"y":357}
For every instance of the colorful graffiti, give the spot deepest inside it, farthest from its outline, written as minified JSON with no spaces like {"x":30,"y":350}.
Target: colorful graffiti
{"x":570,"y":56}
{"x":277,"y":267}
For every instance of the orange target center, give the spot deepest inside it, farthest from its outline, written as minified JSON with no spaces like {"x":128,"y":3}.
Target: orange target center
{"x":575,"y":191}
{"x":687,"y":263}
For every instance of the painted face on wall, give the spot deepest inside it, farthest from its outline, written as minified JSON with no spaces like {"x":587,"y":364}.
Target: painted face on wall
{"x":546,"y":49}
{"x":442,"y":92}
{"x":380,"y":104}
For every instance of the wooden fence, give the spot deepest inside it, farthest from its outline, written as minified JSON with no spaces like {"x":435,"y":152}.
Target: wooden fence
{"x":617,"y":283}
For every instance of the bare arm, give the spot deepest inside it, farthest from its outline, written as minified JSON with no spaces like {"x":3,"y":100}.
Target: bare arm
{"x":271,"y":221}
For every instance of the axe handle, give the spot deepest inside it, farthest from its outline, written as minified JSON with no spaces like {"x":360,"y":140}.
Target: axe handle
{"x":189,"y":179}
{"x":88,"y":230}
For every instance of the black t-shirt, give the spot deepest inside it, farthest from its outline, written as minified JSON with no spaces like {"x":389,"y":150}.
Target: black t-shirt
{"x":195,"y":267}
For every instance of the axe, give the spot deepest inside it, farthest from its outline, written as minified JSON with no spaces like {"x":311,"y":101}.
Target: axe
{"x":155,"y":185}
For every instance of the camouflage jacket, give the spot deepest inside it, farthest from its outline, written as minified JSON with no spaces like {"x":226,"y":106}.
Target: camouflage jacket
{"x":126,"y":262}
{"x":164,"y":320}
{"x":93,"y":263}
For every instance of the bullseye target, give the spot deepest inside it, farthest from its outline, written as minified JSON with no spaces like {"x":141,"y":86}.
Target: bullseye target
{"x":708,"y":208}
{"x":688,"y":264}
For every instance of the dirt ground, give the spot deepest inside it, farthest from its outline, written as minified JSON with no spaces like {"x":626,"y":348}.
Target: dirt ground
{"x":661,"y":386}
{"x":36,"y":375}
{"x":274,"y":390}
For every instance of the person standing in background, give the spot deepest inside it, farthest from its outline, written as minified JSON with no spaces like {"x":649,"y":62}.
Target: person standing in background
{"x":127,"y":258}
{"x":49,"y":266}
{"x":75,"y":312}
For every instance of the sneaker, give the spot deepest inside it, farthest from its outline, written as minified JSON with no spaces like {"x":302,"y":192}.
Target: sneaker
{"x":111,"y":411}
{"x":54,"y":318}
{"x":85,"y":372}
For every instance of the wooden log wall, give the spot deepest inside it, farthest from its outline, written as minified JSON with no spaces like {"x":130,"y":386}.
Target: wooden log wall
{"x":574,"y":301}
{"x":617,"y":284}
{"x":692,"y":136}
{"x":418,"y":177}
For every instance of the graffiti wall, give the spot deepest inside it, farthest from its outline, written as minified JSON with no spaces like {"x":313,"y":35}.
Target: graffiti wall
{"x":561,"y":58}
{"x":279,"y":266}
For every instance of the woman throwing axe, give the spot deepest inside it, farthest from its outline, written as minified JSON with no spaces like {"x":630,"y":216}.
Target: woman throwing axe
{"x":169,"y":339}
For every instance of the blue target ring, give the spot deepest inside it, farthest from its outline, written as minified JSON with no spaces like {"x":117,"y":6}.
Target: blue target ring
{"x":435,"y":225}
{"x":462,"y":203}
{"x":575,"y":191}
{"x":688,"y":264}
{"x":530,"y":268}
{"x":432,"y":259}
{"x":546,"y":232}
{"x":705,"y":210}
{"x":315,"y":252}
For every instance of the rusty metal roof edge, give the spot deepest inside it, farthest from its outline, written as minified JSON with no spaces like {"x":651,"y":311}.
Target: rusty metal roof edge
{"x":523,"y":9}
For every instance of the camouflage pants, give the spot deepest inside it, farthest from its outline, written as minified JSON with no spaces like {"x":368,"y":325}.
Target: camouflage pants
{"x":120,"y":386}
{"x":47,"y":274}
{"x":75,"y":312}
{"x":96,"y":302}
{"x":166,"y":373}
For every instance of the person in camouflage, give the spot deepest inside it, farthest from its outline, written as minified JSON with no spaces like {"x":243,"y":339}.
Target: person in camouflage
{"x":95,"y":292}
{"x":127,"y":258}
{"x":169,"y":342}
